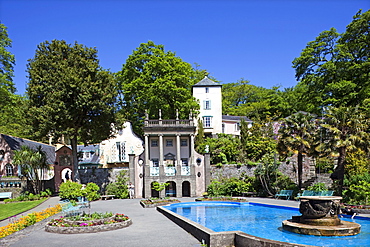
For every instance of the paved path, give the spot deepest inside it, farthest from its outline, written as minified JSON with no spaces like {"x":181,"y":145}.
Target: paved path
{"x":150,"y":228}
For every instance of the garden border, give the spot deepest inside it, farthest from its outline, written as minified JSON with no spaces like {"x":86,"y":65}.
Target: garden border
{"x":88,"y":229}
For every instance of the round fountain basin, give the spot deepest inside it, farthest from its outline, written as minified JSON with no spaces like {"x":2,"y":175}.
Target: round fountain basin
{"x":344,"y":229}
{"x":320,"y":217}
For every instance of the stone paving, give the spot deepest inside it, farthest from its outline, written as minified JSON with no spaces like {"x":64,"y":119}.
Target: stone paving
{"x":149,"y":228}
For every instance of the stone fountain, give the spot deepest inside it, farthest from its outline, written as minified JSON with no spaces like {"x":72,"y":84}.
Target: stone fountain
{"x":320,"y":217}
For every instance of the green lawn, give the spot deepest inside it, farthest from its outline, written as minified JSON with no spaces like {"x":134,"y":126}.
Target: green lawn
{"x":14,"y":208}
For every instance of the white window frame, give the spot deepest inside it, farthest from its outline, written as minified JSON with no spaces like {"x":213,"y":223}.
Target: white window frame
{"x":207,"y":104}
{"x":207,"y":121}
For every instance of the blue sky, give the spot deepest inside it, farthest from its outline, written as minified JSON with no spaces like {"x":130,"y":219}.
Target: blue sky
{"x":256,"y":40}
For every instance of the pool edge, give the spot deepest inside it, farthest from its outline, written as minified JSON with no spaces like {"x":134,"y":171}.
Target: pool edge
{"x":221,"y":239}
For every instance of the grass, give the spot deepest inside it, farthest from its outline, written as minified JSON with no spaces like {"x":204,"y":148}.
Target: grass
{"x":10,"y":209}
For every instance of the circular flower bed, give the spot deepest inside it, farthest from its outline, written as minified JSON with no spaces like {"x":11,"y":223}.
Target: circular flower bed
{"x":87,"y":223}
{"x":154,"y":202}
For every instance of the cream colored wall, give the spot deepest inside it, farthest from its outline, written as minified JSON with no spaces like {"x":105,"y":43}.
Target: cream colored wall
{"x":133,"y":144}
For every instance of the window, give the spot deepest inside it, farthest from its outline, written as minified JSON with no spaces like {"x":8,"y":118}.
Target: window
{"x":223,"y":128}
{"x":169,"y":143}
{"x":121,"y":151}
{"x":207,"y":105}
{"x":207,"y":122}
{"x":9,"y":170}
{"x":237,"y":126}
{"x":87,"y":155}
{"x":154,"y":143}
{"x":155,"y":162}
{"x":207,"y":90}
{"x":184,"y":142}
{"x":184,"y":162}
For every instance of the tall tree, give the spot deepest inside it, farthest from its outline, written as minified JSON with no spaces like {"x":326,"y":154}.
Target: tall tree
{"x":153,"y":79}
{"x":7,"y":61}
{"x":345,"y":130}
{"x":334,"y":68}
{"x":70,"y":95}
{"x":297,"y":136}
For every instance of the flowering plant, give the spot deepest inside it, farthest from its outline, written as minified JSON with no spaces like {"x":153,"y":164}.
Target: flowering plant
{"x":28,"y":220}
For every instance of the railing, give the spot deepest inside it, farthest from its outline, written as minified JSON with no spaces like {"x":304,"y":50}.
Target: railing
{"x":185,"y":170}
{"x":168,"y":123}
{"x":154,"y":171}
{"x":170,"y":171}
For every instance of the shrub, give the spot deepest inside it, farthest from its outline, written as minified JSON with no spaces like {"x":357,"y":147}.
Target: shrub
{"x":318,"y":187}
{"x":119,"y":188}
{"x":91,"y":192}
{"x":70,"y":190}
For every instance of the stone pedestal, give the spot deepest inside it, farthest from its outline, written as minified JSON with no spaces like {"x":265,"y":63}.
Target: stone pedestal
{"x":320,"y":217}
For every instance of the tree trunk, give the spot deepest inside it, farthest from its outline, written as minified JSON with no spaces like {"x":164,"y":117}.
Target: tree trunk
{"x":76,"y":174}
{"x":340,"y":169}
{"x":300,"y":169}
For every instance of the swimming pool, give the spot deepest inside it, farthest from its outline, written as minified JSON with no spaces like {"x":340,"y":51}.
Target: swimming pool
{"x":263,"y":221}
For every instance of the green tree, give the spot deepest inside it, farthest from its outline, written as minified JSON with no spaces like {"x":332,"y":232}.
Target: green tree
{"x":199,"y":138}
{"x":70,"y":95}
{"x":333,"y":68}
{"x":153,"y":79}
{"x":7,"y":62}
{"x":33,"y":164}
{"x":345,"y":129}
{"x":223,"y":149}
{"x":257,"y":139}
{"x":159,"y":186}
{"x":297,"y":136}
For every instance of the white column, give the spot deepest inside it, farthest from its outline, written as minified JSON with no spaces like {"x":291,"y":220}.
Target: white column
{"x":178,"y":155}
{"x":146,"y":143}
{"x":161,"y":168}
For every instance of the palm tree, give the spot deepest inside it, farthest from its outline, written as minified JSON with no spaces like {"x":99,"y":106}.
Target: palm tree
{"x":297,"y":136}
{"x":344,"y":130}
{"x":33,"y":163}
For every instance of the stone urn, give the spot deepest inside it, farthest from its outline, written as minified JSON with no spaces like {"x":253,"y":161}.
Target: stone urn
{"x":320,"y":217}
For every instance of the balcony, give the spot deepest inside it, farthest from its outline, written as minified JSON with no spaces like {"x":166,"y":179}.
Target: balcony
{"x":170,"y":171}
{"x":154,"y":171}
{"x":169,"y":123}
{"x":185,"y":170}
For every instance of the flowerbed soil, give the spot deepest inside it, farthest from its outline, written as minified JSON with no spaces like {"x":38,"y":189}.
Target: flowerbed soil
{"x":86,"y":224}
{"x":155,"y":203}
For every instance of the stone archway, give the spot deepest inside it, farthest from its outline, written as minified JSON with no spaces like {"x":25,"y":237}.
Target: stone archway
{"x":171,"y":189}
{"x":186,"y":189}
{"x":153,"y":192}
{"x":66,"y":174}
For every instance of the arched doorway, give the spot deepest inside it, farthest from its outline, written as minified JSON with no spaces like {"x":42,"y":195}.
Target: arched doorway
{"x":153,"y":192}
{"x":66,"y":175}
{"x":170,"y":189}
{"x":186,"y":189}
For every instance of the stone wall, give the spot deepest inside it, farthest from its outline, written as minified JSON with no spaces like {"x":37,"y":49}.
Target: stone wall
{"x":288,"y":168}
{"x":100,"y":176}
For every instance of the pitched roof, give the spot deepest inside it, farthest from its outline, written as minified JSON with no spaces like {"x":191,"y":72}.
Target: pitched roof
{"x":94,"y":157}
{"x":235,"y":118}
{"x":15,"y":143}
{"x":206,"y":82}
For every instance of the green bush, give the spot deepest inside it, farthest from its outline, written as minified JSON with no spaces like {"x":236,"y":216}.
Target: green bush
{"x":231,"y":187}
{"x":119,"y":188}
{"x":91,"y":192}
{"x":70,"y":190}
{"x":318,"y":187}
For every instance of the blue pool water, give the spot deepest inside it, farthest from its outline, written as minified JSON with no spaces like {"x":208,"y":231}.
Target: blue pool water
{"x":262,"y":221}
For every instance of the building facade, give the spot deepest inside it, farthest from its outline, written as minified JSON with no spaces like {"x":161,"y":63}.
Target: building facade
{"x":170,"y":158}
{"x":209,"y":95}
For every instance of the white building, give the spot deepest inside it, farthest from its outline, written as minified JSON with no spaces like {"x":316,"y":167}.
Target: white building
{"x":209,"y":95}
{"x":115,"y":152}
